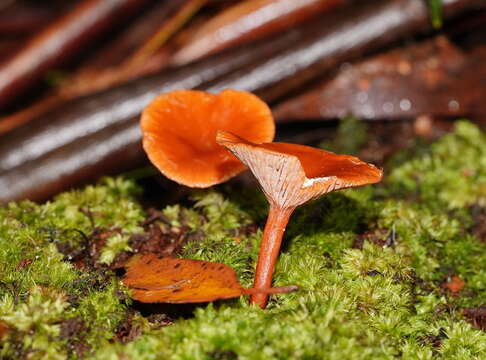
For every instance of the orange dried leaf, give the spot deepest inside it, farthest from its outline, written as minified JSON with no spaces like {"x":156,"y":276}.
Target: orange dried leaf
{"x":180,"y":280}
{"x":4,"y":329}
{"x":167,"y":280}
{"x":455,"y":284}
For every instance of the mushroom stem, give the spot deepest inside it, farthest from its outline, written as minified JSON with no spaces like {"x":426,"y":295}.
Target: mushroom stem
{"x":277,"y":220}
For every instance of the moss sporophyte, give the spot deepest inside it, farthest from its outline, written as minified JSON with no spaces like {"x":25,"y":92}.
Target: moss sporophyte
{"x":182,"y":131}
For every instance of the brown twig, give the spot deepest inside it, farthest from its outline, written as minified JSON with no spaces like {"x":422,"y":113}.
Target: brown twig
{"x":138,"y":60}
{"x":7,"y":123}
{"x":60,"y":42}
{"x":248,"y":21}
{"x":24,"y":18}
{"x":165,"y":31}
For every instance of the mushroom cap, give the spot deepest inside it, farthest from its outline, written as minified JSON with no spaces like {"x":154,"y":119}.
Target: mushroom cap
{"x":179,"y":131}
{"x":292,"y":174}
{"x":318,"y":163}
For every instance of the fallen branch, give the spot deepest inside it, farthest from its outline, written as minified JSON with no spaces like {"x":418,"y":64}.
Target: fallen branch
{"x":23,"y":18}
{"x":85,"y":116}
{"x":240,"y":24}
{"x":51,"y":147}
{"x":249,"y":20}
{"x":429,"y":78}
{"x":59,"y":42}
{"x":109,"y":66}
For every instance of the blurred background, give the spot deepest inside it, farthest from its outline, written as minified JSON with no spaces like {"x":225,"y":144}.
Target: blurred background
{"x":370,"y":78}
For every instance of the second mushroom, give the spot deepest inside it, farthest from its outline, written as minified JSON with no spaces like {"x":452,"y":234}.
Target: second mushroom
{"x":290,"y":175}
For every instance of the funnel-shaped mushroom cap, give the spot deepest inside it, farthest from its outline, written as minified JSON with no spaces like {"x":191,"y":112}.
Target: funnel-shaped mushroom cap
{"x":179,"y":131}
{"x":291,"y":174}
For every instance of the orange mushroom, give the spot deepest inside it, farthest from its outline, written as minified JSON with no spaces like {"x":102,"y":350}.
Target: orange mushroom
{"x":291,"y":175}
{"x":179,"y":130}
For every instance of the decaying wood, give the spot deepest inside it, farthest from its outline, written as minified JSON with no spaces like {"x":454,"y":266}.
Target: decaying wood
{"x":433,"y":78}
{"x":342,"y":38}
{"x":85,"y":116}
{"x":130,"y":60}
{"x":117,"y":63}
{"x":60,"y":41}
{"x":98,"y":135}
{"x":122,"y":60}
{"x":129,"y":40}
{"x":35,"y":148}
{"x":74,"y":163}
{"x":20,"y":18}
{"x":248,"y":21}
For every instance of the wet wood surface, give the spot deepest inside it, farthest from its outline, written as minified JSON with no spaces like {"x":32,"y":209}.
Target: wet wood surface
{"x":44,"y":158}
{"x":60,"y":41}
{"x":434,"y":78}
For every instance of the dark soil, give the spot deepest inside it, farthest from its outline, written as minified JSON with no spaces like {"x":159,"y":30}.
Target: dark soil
{"x":380,"y":237}
{"x":86,"y":254}
{"x":127,"y":330}
{"x":74,"y":331}
{"x":159,"y":320}
{"x":434,"y":340}
{"x":223,"y":355}
{"x":158,"y":238}
{"x":476,"y":316}
{"x":479,"y":222}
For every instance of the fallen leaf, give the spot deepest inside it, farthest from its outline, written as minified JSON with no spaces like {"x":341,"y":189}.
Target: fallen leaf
{"x":455,"y":284}
{"x":4,"y":329}
{"x":167,"y":280}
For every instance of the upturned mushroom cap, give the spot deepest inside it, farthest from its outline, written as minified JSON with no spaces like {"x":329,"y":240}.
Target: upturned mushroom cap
{"x":291,"y":174}
{"x":179,"y":130}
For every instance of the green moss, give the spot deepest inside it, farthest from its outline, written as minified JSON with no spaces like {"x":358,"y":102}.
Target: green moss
{"x":36,"y":323}
{"x":462,"y":342}
{"x":114,"y":245}
{"x":382,"y":299}
{"x":435,"y":9}
{"x":350,"y":137}
{"x":452,"y":174}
